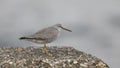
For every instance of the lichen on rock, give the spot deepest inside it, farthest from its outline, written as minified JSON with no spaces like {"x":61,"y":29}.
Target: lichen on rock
{"x":34,"y":57}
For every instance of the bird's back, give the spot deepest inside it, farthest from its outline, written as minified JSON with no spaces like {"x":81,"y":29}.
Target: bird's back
{"x":49,"y":34}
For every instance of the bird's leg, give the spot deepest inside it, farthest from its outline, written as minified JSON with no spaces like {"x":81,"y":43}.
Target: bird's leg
{"x":45,"y":48}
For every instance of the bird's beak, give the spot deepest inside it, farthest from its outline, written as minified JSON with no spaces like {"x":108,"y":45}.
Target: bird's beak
{"x":65,"y":29}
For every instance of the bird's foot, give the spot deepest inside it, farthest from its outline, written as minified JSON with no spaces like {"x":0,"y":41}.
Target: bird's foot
{"x":47,"y":52}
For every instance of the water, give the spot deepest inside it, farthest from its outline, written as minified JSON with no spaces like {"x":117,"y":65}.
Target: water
{"x":95,"y":24}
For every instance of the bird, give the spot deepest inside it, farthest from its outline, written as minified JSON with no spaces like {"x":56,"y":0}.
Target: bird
{"x":46,"y":35}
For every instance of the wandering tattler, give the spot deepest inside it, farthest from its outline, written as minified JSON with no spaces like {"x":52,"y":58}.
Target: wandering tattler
{"x":46,"y":35}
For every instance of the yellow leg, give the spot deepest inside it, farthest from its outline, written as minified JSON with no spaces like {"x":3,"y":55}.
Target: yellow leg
{"x":45,"y":49}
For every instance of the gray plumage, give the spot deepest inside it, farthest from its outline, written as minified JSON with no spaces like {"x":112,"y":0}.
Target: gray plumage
{"x":47,"y":34}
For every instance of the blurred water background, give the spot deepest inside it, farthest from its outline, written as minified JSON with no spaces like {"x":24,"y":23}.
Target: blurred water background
{"x":95,"y":24}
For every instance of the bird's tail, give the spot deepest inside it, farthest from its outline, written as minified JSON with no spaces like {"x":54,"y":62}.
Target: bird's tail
{"x":23,"y":38}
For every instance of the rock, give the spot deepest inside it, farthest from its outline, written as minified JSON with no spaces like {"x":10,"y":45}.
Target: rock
{"x":34,"y":57}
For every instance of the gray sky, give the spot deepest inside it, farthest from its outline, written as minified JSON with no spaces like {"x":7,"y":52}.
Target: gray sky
{"x":95,"y":24}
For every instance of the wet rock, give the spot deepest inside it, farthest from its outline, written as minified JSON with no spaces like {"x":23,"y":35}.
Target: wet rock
{"x":34,"y":57}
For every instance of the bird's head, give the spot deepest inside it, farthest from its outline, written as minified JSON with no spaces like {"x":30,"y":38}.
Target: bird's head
{"x":60,"y":26}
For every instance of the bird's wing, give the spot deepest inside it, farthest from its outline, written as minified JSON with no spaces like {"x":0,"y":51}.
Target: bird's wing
{"x":46,"y":33}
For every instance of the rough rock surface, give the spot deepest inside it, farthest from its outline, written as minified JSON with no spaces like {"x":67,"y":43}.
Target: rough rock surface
{"x":34,"y":57}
